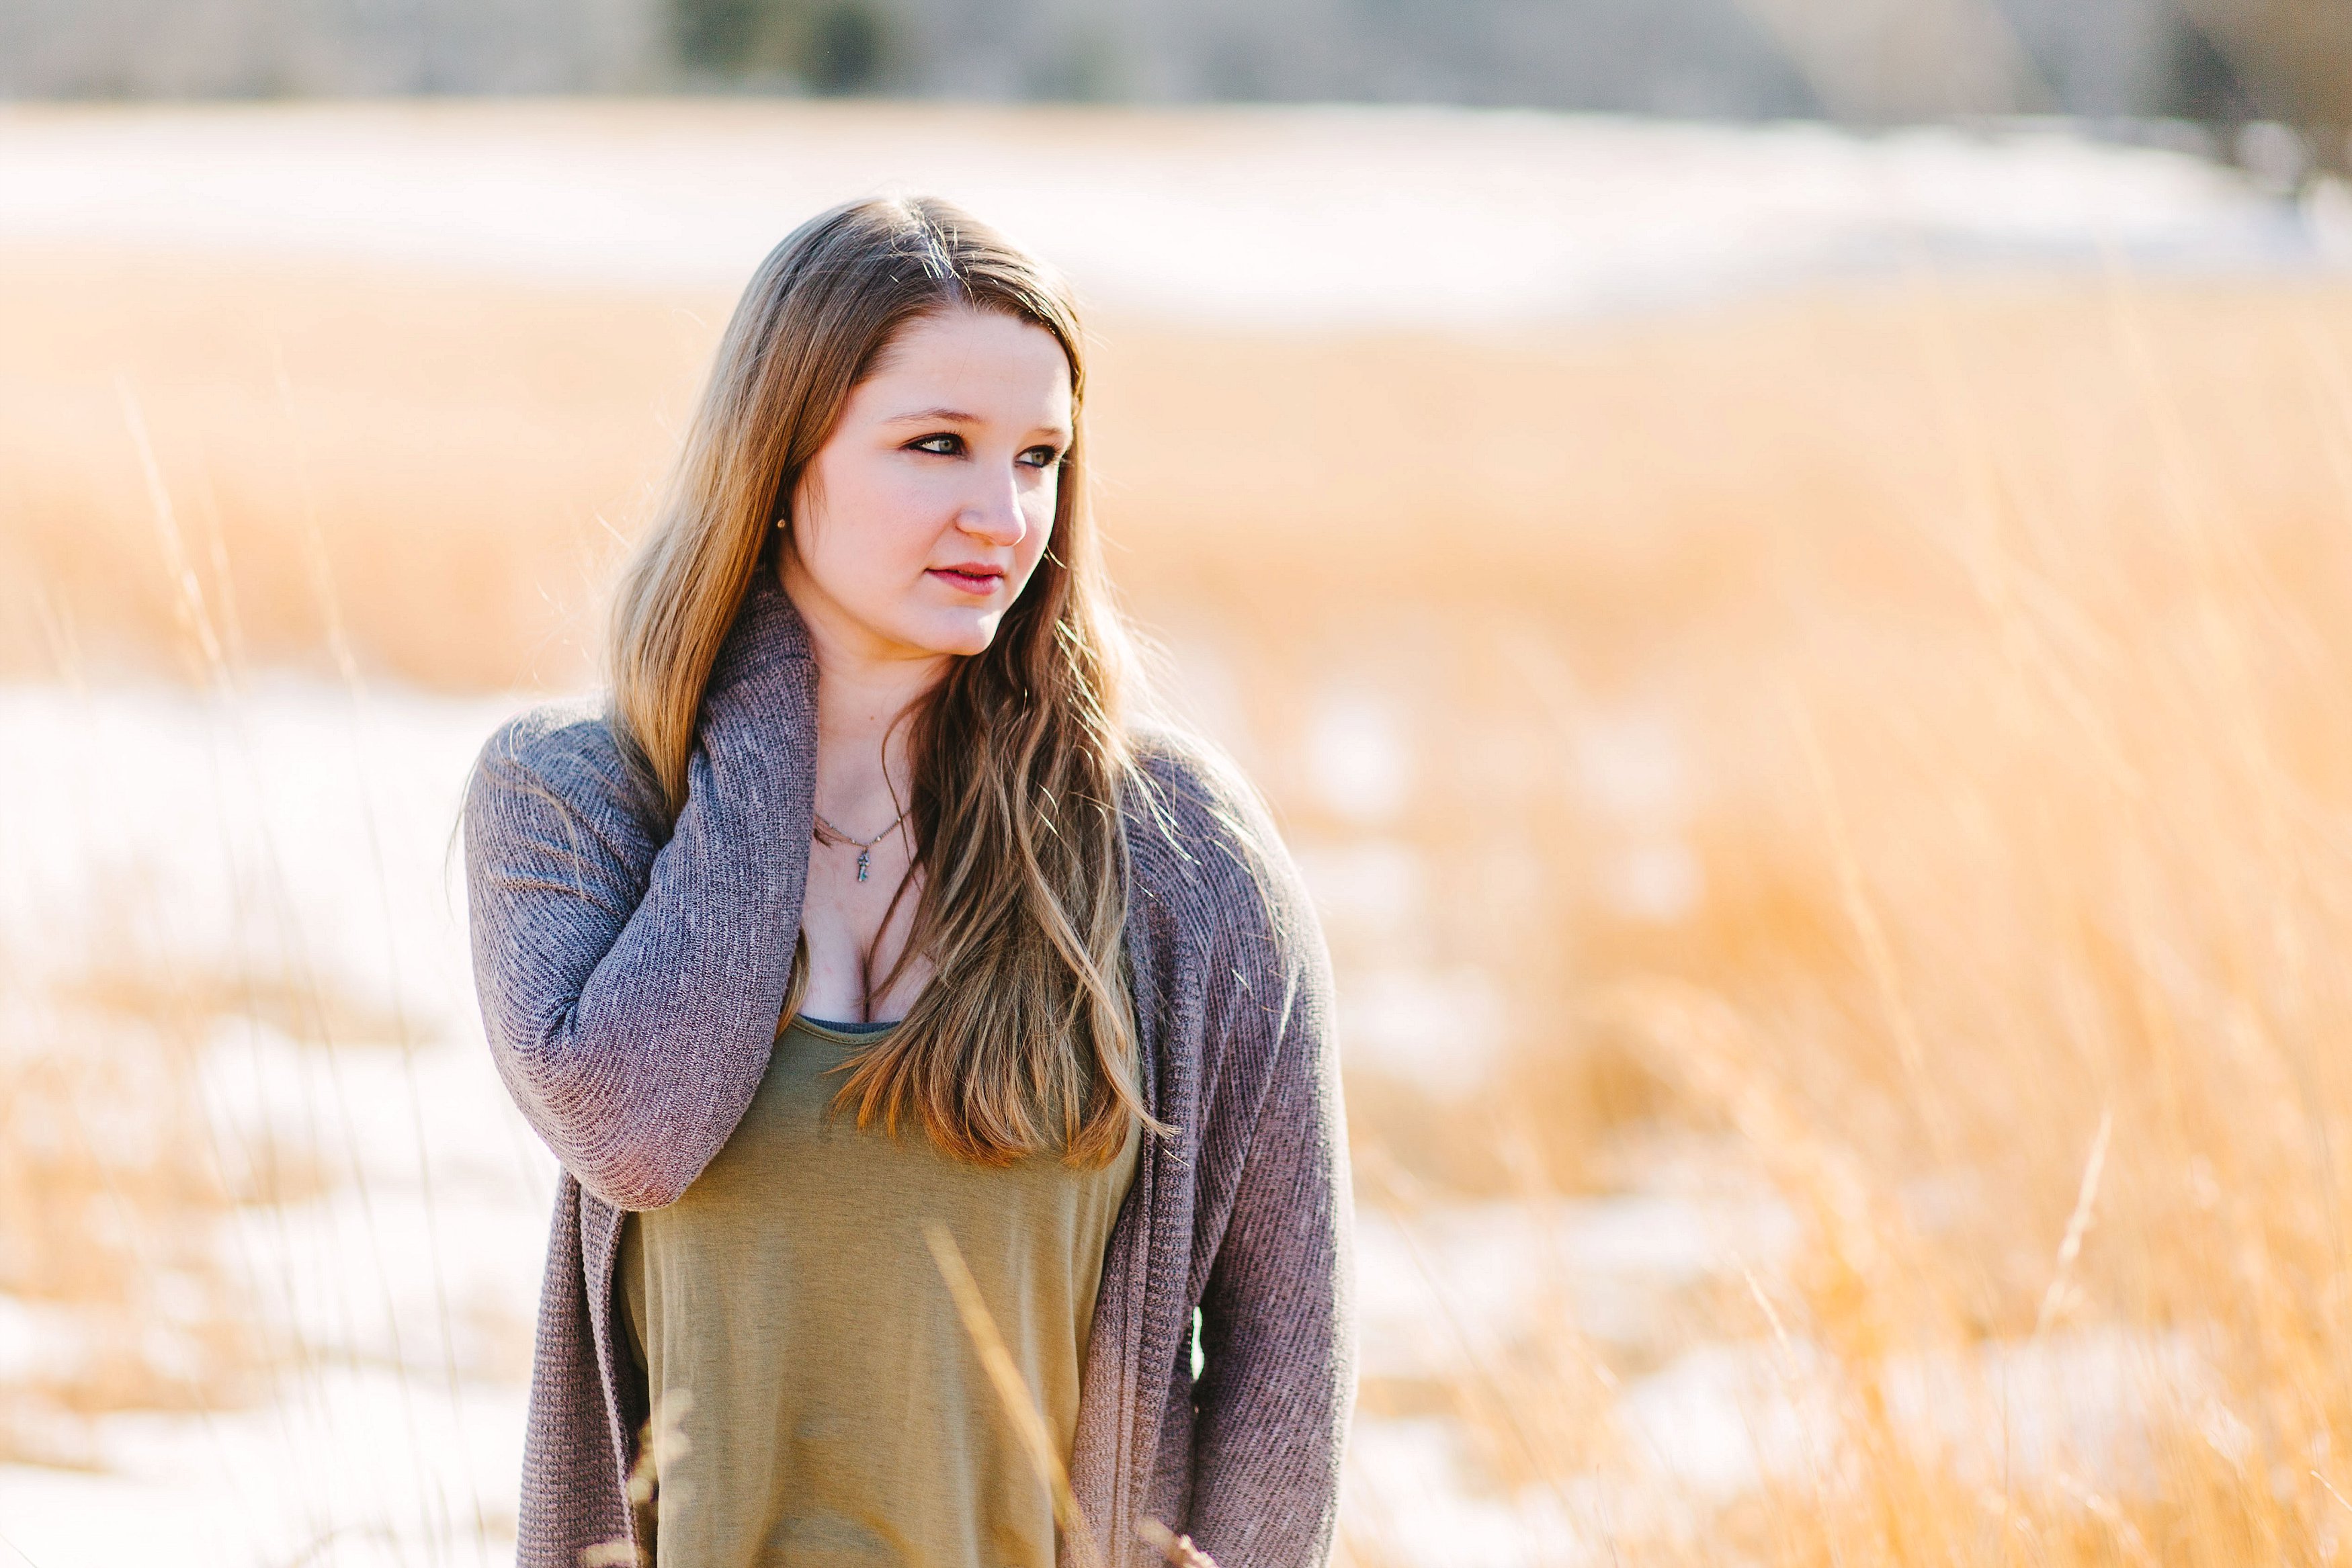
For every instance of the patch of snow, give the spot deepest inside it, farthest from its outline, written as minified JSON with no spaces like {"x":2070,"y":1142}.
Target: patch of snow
{"x":362,"y":1469}
{"x":1446,"y":1289}
{"x":1356,"y":758}
{"x":1441,"y":1030}
{"x":1279,"y":217}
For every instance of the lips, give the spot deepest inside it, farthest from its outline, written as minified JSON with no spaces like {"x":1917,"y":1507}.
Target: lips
{"x":972,"y":577}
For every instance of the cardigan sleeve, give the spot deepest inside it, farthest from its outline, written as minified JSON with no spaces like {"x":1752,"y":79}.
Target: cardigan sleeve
{"x":1277,"y":1318}
{"x":630,"y":989}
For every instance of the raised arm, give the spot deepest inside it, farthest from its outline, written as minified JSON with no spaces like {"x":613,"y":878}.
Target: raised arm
{"x":1277,"y":1316}
{"x":630,"y":991}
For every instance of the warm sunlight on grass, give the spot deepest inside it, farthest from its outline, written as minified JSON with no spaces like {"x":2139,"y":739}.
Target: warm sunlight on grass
{"x":1888,"y":756}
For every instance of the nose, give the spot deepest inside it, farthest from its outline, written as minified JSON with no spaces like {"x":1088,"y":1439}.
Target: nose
{"x":996,"y":516}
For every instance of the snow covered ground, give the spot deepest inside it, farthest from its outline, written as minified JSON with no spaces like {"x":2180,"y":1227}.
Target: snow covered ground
{"x":1264,"y":217}
{"x":292,"y":830}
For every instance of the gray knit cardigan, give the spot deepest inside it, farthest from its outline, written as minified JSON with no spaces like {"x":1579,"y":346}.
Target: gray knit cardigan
{"x":630,"y":987}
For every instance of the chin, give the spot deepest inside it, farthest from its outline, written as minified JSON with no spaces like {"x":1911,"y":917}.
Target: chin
{"x":961,"y":635}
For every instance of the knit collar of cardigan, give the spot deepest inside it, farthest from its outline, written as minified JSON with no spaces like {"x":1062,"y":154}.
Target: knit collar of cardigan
{"x":767,"y":637}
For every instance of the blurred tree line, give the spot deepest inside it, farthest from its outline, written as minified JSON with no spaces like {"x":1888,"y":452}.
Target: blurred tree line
{"x":2222,"y":63}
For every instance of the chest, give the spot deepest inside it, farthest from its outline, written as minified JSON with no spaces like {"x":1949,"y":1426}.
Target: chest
{"x":799,"y":1181}
{"x":856,"y":913}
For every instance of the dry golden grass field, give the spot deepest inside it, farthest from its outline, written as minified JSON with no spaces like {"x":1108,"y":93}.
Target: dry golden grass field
{"x":1890,"y":752}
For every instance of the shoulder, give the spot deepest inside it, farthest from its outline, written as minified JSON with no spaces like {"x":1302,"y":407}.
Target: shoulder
{"x":1203,"y":845}
{"x":554,"y":756}
{"x":547,"y":743}
{"x":1193,"y":804}
{"x":550,"y":733}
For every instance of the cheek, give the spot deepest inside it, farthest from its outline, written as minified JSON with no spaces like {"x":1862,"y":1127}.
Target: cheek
{"x":872,"y":528}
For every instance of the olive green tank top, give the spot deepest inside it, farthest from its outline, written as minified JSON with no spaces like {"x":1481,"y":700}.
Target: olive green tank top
{"x":816,"y":1398}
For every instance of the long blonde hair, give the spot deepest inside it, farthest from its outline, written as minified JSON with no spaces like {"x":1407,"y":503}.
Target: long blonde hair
{"x":1025,"y":1036}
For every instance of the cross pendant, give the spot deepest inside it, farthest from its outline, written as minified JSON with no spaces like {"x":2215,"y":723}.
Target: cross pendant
{"x":863,"y":855}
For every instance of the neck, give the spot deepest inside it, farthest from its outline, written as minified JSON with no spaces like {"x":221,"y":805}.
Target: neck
{"x":863,"y":688}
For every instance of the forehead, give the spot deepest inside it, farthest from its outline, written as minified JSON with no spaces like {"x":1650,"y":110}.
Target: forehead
{"x":975,"y":353}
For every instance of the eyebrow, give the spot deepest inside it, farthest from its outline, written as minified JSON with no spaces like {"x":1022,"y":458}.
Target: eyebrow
{"x":957,"y":416}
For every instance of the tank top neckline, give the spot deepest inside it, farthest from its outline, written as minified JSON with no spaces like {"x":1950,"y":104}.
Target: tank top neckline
{"x":844,"y":1026}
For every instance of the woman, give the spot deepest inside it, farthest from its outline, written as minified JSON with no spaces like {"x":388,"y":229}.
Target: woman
{"x":859,"y":935}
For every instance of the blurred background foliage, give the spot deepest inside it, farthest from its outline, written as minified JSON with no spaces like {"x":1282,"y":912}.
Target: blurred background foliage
{"x":2220,"y":64}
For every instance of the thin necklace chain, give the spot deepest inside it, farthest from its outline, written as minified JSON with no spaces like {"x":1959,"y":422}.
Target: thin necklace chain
{"x":862,"y":843}
{"x":864,"y":846}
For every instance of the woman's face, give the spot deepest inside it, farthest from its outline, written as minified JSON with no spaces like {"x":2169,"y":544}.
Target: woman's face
{"x":919,"y":520}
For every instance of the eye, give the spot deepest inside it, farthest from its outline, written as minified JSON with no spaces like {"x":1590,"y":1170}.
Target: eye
{"x":942,"y":444}
{"x":1041,"y":456}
